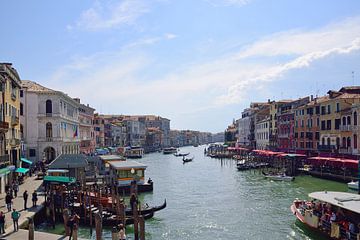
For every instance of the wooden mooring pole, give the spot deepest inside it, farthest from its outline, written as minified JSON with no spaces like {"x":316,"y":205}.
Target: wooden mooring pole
{"x":98,"y":226}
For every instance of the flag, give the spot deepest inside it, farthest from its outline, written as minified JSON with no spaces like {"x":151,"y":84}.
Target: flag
{"x":75,"y":131}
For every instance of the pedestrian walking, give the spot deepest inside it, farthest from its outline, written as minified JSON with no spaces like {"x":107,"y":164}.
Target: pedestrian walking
{"x":2,"y":222}
{"x":15,"y":188}
{"x":8,"y":201}
{"x":15,"y":215}
{"x":25,"y":196}
{"x":34,"y":198}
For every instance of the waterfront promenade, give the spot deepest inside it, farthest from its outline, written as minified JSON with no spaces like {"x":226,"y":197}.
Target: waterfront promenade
{"x":30,"y":184}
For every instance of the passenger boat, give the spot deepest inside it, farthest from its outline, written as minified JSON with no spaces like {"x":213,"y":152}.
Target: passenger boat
{"x":169,"y":150}
{"x":185,"y":160}
{"x":278,"y":177}
{"x":241,"y":165}
{"x":181,"y":154}
{"x":333,"y":213}
{"x":353,"y":185}
{"x":134,"y":152}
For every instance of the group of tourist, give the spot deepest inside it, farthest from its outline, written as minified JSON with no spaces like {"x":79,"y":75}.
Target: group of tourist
{"x":327,"y":216}
{"x":12,"y":193}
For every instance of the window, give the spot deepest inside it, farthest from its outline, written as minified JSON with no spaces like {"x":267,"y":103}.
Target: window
{"x":328,"y":124}
{"x":323,"y":110}
{"x":349,"y":120}
{"x":337,"y":123}
{"x":21,"y":109}
{"x":318,"y":122}
{"x":344,"y":121}
{"x":348,"y":142}
{"x":328,"y":109}
{"x":337,"y":142}
{"x":355,"y":118}
{"x":48,"y":106}
{"x":328,"y":141}
{"x":32,"y":152}
{"x":21,"y":93}
{"x":317,"y":109}
{"x":355,"y":141}
{"x":48,"y":130}
{"x":323,"y":127}
{"x":302,"y":135}
{"x":317,"y":135}
{"x":337,"y":107}
{"x":344,"y":142}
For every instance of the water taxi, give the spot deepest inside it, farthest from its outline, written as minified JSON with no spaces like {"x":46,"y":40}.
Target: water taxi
{"x":122,"y":173}
{"x":169,"y":150}
{"x":134,"y":152}
{"x":336,"y":214}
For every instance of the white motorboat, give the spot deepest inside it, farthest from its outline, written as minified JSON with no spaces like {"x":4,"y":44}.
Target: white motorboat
{"x":353,"y":185}
{"x":278,"y":177}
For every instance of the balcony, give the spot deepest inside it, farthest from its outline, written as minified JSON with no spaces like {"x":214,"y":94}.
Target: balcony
{"x":348,"y":150}
{"x":4,"y":126}
{"x":49,"y":139}
{"x":346,"y":128}
{"x":4,"y":159}
{"x":326,"y":147}
{"x":14,"y":142}
{"x":14,"y":121}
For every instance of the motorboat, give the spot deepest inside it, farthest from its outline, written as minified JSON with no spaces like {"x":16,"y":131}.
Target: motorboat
{"x":278,"y":177}
{"x":169,"y":150}
{"x":353,"y":185}
{"x":321,"y":213}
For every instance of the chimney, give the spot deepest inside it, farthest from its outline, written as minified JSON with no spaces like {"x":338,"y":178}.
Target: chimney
{"x":77,"y":99}
{"x":268,"y":100}
{"x":311,"y":97}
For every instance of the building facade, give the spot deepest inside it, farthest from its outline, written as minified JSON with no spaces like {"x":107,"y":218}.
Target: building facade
{"x":86,"y":128}
{"x":51,"y":124}
{"x":262,"y":133}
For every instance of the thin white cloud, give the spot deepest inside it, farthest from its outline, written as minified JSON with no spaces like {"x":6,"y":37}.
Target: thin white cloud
{"x":110,"y":15}
{"x":170,"y":36}
{"x":121,"y":77}
{"x":224,"y":3}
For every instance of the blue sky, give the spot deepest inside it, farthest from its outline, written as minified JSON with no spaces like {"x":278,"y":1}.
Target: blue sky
{"x":197,"y":62}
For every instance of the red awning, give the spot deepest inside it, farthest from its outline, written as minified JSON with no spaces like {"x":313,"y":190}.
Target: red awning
{"x":336,"y":162}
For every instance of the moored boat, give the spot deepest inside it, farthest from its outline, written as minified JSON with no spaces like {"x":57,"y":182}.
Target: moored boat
{"x":134,"y":152}
{"x":181,"y":154}
{"x":353,"y":185}
{"x":335,"y":214}
{"x":278,"y":177}
{"x":169,"y":150}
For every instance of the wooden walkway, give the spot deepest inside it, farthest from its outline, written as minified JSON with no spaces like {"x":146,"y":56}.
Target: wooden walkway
{"x":23,"y":234}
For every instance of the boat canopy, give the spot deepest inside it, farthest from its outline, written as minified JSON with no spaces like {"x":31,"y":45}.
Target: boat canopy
{"x":348,"y":201}
{"x":57,"y":171}
{"x":267,"y":152}
{"x":22,"y":170}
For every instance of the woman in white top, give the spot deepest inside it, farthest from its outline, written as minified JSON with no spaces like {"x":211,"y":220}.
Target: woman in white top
{"x":122,"y":232}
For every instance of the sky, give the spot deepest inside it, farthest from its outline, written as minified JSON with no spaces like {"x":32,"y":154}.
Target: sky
{"x":197,"y":62}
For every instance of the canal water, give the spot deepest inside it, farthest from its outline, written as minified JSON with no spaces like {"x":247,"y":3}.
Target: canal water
{"x":209,"y":199}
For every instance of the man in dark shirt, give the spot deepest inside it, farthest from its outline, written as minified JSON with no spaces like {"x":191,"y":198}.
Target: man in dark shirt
{"x":8,"y":201}
{"x":25,"y":196}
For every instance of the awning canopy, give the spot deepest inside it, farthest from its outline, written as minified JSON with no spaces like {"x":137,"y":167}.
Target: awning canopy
{"x":335,"y":162}
{"x":22,"y":170}
{"x":4,"y":171}
{"x":26,"y":160}
{"x":59,"y":179}
{"x":291,"y":155}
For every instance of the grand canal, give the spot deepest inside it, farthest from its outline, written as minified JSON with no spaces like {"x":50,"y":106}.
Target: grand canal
{"x":209,"y":199}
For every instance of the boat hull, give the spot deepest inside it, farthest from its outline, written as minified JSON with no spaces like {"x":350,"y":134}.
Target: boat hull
{"x":146,"y":187}
{"x":353,"y":185}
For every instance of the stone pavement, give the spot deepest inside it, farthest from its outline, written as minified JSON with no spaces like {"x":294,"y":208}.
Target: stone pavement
{"x":30,"y":184}
{"x":23,"y":234}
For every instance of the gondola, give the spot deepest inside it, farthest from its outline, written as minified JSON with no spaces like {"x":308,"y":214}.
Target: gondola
{"x":113,"y":221}
{"x":149,"y":210}
{"x":185,"y":160}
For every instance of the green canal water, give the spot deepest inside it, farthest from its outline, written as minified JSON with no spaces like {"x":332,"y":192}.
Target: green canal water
{"x":209,"y":199}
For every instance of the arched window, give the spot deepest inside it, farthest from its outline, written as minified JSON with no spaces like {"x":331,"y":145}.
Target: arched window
{"x":48,"y":106}
{"x":344,"y":121}
{"x":344,"y":142}
{"x":48,"y":130}
{"x":323,"y":141}
{"x":355,"y":141}
{"x":328,"y":141}
{"x":355,"y":118}
{"x":348,"y":120}
{"x":337,"y":142}
{"x":348,"y":142}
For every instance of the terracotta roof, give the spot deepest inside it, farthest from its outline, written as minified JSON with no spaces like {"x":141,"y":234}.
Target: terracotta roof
{"x":35,"y":87}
